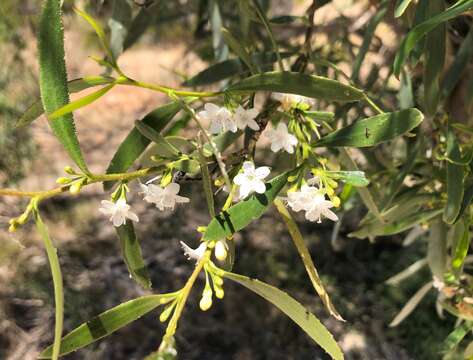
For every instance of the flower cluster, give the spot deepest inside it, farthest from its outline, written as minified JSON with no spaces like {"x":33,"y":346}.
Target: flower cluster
{"x":221,"y":119}
{"x":312,"y":200}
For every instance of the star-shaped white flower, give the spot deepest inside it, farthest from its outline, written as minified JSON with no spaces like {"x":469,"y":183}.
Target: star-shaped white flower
{"x":281,"y":138}
{"x":194,"y":254}
{"x":119,"y":211}
{"x":251,"y":180}
{"x":246,"y":118}
{"x":312,"y":200}
{"x":288,"y":101}
{"x":163,"y":198}
{"x":220,"y":118}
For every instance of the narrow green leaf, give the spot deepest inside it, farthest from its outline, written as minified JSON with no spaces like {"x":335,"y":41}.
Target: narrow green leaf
{"x":461,"y":244}
{"x":79,"y":103}
{"x":131,"y":251}
{"x":139,"y":25}
{"x":374,"y":130}
{"x":53,"y":78}
{"x":167,"y":149}
{"x":320,"y":115}
{"x":434,"y":58}
{"x":467,"y":198}
{"x":231,"y":67}
{"x":135,"y":143}
{"x":76,"y":85}
{"x":206,"y":181}
{"x":239,"y":50}
{"x":406,"y":93}
{"x":119,"y":23}
{"x":57,"y":281}
{"x":99,"y":31}
{"x":300,"y":315}
{"x":219,"y":46}
{"x":411,"y":305}
{"x":355,"y":178}
{"x":406,"y":273}
{"x":437,"y":248}
{"x":419,"y":31}
{"x":401,"y":6}
{"x":297,"y":83}
{"x":107,"y":323}
{"x":455,"y":180}
{"x":238,"y":216}
{"x":368,"y":37}
{"x":306,"y":259}
{"x":456,"y":336}
{"x":459,"y":65}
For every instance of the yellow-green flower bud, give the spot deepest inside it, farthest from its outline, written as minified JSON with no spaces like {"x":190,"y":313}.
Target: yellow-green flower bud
{"x":74,"y":189}
{"x":166,"y":313}
{"x":336,"y":201}
{"x":63,"y":180}
{"x":221,"y":250}
{"x":219,"y":293}
{"x":205,"y":303}
{"x":69,"y":170}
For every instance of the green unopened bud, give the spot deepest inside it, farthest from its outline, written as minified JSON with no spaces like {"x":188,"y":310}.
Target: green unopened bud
{"x":205,"y":303}
{"x":69,"y":170}
{"x":74,"y":189}
{"x":13,"y":227}
{"x":166,"y":312}
{"x":219,"y":293}
{"x":202,"y":229}
{"x":22,"y":218}
{"x":220,"y":250}
{"x":63,"y":180}
{"x":336,"y":201}
{"x":330,"y":191}
{"x":218,"y":281}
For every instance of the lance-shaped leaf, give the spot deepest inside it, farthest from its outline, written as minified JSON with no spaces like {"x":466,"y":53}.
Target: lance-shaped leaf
{"x":238,"y":216}
{"x":231,"y":67}
{"x":419,"y":31}
{"x":355,"y":178}
{"x":165,"y":146}
{"x":434,"y":58}
{"x":411,"y":305}
{"x":219,"y":46}
{"x":57,"y":282}
{"x":461,"y":244}
{"x":401,"y":6}
{"x":76,"y":85}
{"x":455,"y":180}
{"x":53,"y":78}
{"x":456,"y":336}
{"x":119,"y":23}
{"x":238,"y":49}
{"x":135,"y":143}
{"x":131,"y":251}
{"x":107,"y":323}
{"x":437,"y":248}
{"x":292,"y":308}
{"x":306,"y":258}
{"x":374,"y":130}
{"x":79,"y":103}
{"x":301,"y":84}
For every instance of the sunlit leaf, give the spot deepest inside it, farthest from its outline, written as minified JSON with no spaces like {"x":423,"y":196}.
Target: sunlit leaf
{"x":419,"y":31}
{"x":306,"y":258}
{"x":461,"y":244}
{"x":119,"y":23}
{"x":131,"y":251}
{"x":238,"y":49}
{"x":401,"y":6}
{"x":355,"y":178}
{"x":456,"y":336}
{"x":107,"y":323}
{"x":53,"y":78}
{"x":374,"y":130}
{"x":238,"y":216}
{"x":57,"y":282}
{"x":297,"y":83}
{"x":407,"y":272}
{"x":437,"y":248}
{"x":301,"y":316}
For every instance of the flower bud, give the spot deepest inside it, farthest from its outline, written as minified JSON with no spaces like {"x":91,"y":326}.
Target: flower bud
{"x":329,"y":190}
{"x":166,"y":312}
{"x":336,"y":201}
{"x":74,"y":189}
{"x":205,"y":303}
{"x":22,"y":218}
{"x":219,"y":293}
{"x":221,"y":250}
{"x":218,"y":281}
{"x":63,"y":180}
{"x":69,"y":170}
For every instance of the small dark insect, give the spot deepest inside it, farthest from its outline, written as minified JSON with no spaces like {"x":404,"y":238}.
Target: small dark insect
{"x":367,"y":133}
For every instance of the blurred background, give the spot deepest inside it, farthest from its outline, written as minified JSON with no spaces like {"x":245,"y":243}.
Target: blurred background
{"x":174,"y":44}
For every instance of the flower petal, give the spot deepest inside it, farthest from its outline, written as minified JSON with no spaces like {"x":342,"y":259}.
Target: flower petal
{"x":259,"y":187}
{"x":172,"y":188}
{"x":248,"y":166}
{"x":262,"y":172}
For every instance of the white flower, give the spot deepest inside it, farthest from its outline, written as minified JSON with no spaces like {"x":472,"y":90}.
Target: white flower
{"x":288,"y":101}
{"x":220,"y":118}
{"x":119,"y":211}
{"x":312,"y":200}
{"x":194,"y":254}
{"x":281,"y":138}
{"x":163,"y":198}
{"x":220,"y":250}
{"x":251,"y":179}
{"x":246,"y":118}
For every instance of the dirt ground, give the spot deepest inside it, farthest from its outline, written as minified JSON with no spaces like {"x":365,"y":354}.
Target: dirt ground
{"x":240,"y":327}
